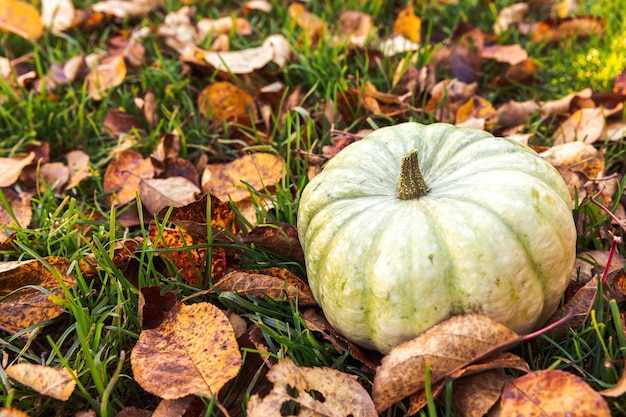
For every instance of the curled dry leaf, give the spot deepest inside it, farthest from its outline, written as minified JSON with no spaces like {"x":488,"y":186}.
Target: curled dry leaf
{"x":445,"y":348}
{"x":515,"y":113}
{"x":78,"y":165}
{"x":279,"y":237}
{"x":510,"y":54}
{"x":558,"y":30}
{"x":584,"y":125}
{"x":223,"y":26}
{"x":181,"y":356}
{"x":551,"y":392}
{"x":12,"y":168}
{"x":274,"y":283}
{"x":55,"y":383}
{"x":153,"y":306}
{"x":356,"y":27}
{"x":476,"y":394}
{"x":275,"y":48}
{"x":408,"y":25}
{"x":21,"y":18}
{"x":58,"y":15}
{"x":225,"y":102}
{"x":28,"y":306}
{"x":259,"y":170}
{"x":312,"y":25}
{"x":509,"y":16}
{"x":318,"y":391}
{"x":125,"y":8}
{"x":110,"y":73}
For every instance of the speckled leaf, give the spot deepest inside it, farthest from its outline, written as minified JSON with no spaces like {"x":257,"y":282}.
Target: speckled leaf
{"x":194,"y":351}
{"x":318,"y":391}
{"x":445,"y":347}
{"x":549,"y":393}
{"x":56,"y":383}
{"x":29,"y":287}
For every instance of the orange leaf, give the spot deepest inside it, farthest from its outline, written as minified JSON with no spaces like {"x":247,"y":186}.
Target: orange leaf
{"x":22,"y":210}
{"x":408,"y":25}
{"x":20,"y":18}
{"x":110,"y":73}
{"x":551,"y":392}
{"x":55,"y":383}
{"x":124,"y":174}
{"x":225,"y":102}
{"x":12,"y":168}
{"x":25,"y":306}
{"x":194,"y":351}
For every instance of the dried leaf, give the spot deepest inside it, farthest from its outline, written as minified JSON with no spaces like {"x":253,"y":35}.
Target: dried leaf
{"x":557,"y":30}
{"x":445,"y":348}
{"x":259,"y":170}
{"x":510,"y":54}
{"x":616,"y":390}
{"x":508,"y":16}
{"x":153,"y":306}
{"x":12,"y":412}
{"x":515,"y":113}
{"x":317,"y":391}
{"x":157,"y":193}
{"x":275,"y":283}
{"x":20,"y":18}
{"x":110,"y":73}
{"x":275,"y":49}
{"x":585,"y":125}
{"x":562,"y":105}
{"x":181,"y":356}
{"x":408,"y":25}
{"x":12,"y":168}
{"x":125,"y":8}
{"x":78,"y":166}
{"x":551,"y":392}
{"x":356,"y":27}
{"x":223,"y":25}
{"x":279,"y":237}
{"x":22,"y":210}
{"x":313,"y":26}
{"x":28,"y":290}
{"x":225,"y":102}
{"x":118,"y":122}
{"x":55,"y":383}
{"x":58,"y":15}
{"x":123,"y":176}
{"x":478,"y":108}
{"x":475,"y":395}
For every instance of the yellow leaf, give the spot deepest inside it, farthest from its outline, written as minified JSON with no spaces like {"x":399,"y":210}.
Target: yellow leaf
{"x":108,"y":74}
{"x":408,"y":25}
{"x":20,"y":18}
{"x":225,"y":102}
{"x":55,"y":383}
{"x":194,"y":351}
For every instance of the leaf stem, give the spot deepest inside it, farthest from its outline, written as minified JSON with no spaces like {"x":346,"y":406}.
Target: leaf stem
{"x":411,"y":184}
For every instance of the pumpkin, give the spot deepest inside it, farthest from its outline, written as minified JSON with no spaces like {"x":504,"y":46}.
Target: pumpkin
{"x":416,"y":223}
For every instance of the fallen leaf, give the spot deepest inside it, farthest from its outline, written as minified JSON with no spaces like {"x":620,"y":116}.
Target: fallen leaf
{"x":551,"y":392}
{"x":616,"y":390}
{"x":509,"y":16}
{"x":479,"y":108}
{"x":20,"y":18}
{"x":223,"y":25}
{"x":153,"y":306}
{"x":181,"y":356}
{"x":476,"y":394}
{"x":515,"y":113}
{"x":78,"y":166}
{"x":313,"y":26}
{"x":279,"y":237}
{"x":157,"y":193}
{"x":171,"y":408}
{"x":108,"y":74}
{"x":317,"y":391}
{"x":408,"y":25}
{"x":557,"y":30}
{"x":446,"y":97}
{"x":444,"y":348}
{"x":123,"y":176}
{"x":57,"y":15}
{"x":55,"y":383}
{"x":228,"y":180}
{"x":562,"y":105}
{"x":28,"y":289}
{"x":125,"y":8}
{"x":585,"y":125}
{"x":118,"y":122}
{"x":510,"y":54}
{"x":12,"y":168}
{"x":355,"y":27}
{"x":20,"y":207}
{"x":275,"y":48}
{"x":275,"y":283}
{"x":225,"y":102}
{"x":12,"y":412}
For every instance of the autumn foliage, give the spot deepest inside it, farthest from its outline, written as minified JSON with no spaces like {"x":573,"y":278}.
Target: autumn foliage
{"x":209,"y":217}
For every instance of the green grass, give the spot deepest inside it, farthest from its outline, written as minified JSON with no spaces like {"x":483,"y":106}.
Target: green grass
{"x":97,"y":333}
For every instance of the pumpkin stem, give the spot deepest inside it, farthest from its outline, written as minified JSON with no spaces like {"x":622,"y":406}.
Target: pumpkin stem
{"x":411,"y":184}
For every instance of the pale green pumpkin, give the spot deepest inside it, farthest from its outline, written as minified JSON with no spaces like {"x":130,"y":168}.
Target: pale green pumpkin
{"x":493,"y":233}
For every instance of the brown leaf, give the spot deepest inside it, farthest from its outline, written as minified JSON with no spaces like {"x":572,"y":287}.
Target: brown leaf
{"x":12,"y":168}
{"x":12,"y":412}
{"x":558,"y":30}
{"x":259,"y":170}
{"x":223,"y":25}
{"x":118,"y":122}
{"x":55,"y":383}
{"x":408,"y":25}
{"x":446,"y":97}
{"x":275,"y":49}
{"x":563,"y":104}
{"x":57,"y":15}
{"x":157,"y":193}
{"x":25,"y":306}
{"x":585,"y":125}
{"x":477,"y":108}
{"x":225,"y":102}
{"x":313,"y":26}
{"x":522,"y":71}
{"x":444,"y":347}
{"x":317,"y":391}
{"x":181,"y":356}
{"x":355,"y":26}
{"x":510,"y":15}
{"x":279,"y":237}
{"x":22,"y":210}
{"x":275,"y":283}
{"x":153,"y":306}
{"x":510,"y":54}
{"x":20,"y":18}
{"x":551,"y":392}
{"x":124,"y":174}
{"x":78,"y":166}
{"x":515,"y":113}
{"x":125,"y":8}
{"x":616,"y":390}
{"x":476,"y":394}
{"x":108,"y":74}
{"x":619,"y":84}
